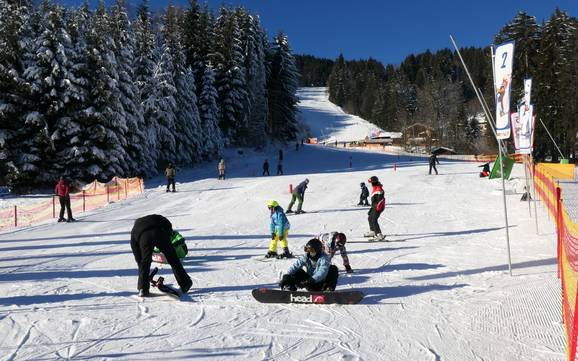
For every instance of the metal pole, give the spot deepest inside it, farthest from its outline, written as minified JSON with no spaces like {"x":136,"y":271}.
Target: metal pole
{"x":553,"y":141}
{"x":15,"y":216}
{"x":534,"y":186}
{"x":499,"y":146}
{"x":526,"y":164}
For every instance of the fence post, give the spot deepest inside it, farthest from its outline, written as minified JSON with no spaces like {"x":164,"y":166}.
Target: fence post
{"x":559,"y":226}
{"x":107,"y":193}
{"x":117,"y":189}
{"x":53,"y":206}
{"x":290,"y":188}
{"x":125,"y":188}
{"x":15,"y":216}
{"x":83,"y":201}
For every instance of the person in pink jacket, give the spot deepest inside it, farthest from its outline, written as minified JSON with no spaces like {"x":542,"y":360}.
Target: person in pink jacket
{"x":62,"y":190}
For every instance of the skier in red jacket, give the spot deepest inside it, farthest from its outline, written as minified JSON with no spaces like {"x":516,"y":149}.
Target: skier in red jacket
{"x":62,"y":190}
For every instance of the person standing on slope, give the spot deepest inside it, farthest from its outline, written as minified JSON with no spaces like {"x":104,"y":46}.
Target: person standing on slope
{"x":170,"y":173}
{"x":363,"y":196}
{"x":62,"y":190}
{"x":221,"y":168}
{"x":433,"y":159}
{"x":319,"y":274}
{"x":279,"y":228}
{"x":266,"y":167}
{"x":333,"y":242}
{"x":147,"y":233}
{"x":298,"y":194}
{"x":377,"y":207}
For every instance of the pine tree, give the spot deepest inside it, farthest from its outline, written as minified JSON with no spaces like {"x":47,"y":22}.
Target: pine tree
{"x":209,"y":113}
{"x":141,"y":162}
{"x":230,"y":78}
{"x":187,"y":122}
{"x":282,"y":88}
{"x":556,"y":85}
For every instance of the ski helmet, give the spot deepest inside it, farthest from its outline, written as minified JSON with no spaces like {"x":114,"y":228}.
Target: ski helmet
{"x":315,"y":245}
{"x":272,"y":204}
{"x":340,"y":238}
{"x":307,"y":180}
{"x":362,"y":184}
{"x":373,"y":179}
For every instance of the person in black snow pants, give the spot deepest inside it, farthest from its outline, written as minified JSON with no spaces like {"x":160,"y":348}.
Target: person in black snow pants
{"x":280,"y":168}
{"x":147,"y":233}
{"x":266,"y":167}
{"x":363,"y":196}
{"x":433,"y":159}
{"x":377,"y":207}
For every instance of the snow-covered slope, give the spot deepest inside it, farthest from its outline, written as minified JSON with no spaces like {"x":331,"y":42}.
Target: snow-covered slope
{"x":438,"y":290}
{"x":327,"y":121}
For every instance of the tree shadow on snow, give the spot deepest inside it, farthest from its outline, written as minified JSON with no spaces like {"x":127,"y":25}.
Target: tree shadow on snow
{"x":399,"y":267}
{"x":373,"y":295}
{"x":363,"y":251}
{"x":176,"y":353}
{"x":57,"y":298}
{"x":502,"y":267}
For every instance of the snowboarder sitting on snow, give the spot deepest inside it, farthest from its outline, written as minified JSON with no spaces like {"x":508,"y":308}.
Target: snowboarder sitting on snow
{"x":364,"y":194}
{"x":485,"y":170}
{"x":319,"y":274}
{"x":170,"y":173}
{"x":279,"y":228}
{"x":377,"y":206}
{"x":298,"y":194}
{"x":333,"y":242}
{"x":147,"y":233}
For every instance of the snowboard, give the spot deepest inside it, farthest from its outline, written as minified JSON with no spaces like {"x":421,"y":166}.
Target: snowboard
{"x":159,"y":284}
{"x":267,"y":295}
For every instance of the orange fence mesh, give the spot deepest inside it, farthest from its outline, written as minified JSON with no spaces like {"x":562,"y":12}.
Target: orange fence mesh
{"x":93,"y":195}
{"x":547,"y":189}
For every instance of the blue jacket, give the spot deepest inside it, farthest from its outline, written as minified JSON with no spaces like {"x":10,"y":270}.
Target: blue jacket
{"x":279,"y":222}
{"x":318,"y":272}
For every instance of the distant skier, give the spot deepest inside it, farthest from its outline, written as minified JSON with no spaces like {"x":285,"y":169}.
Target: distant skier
{"x":147,"y":233}
{"x":62,"y":190}
{"x":377,"y":207}
{"x":319,"y":274}
{"x":485,"y":170}
{"x":280,"y":155}
{"x":266,"y":167}
{"x":221,"y":168}
{"x":296,"y":146}
{"x":279,"y":228}
{"x":433,"y":159}
{"x":170,"y":173}
{"x":363,"y":196}
{"x":298,"y":194}
{"x":333,"y":242}
{"x":280,"y":168}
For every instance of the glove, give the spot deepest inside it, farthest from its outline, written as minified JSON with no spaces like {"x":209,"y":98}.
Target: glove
{"x":348,"y":269}
{"x":273,"y":235}
{"x":285,"y":281}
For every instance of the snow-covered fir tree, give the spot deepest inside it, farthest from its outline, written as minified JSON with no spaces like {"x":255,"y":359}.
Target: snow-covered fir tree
{"x":230,"y":77}
{"x":141,"y":161}
{"x":282,"y":88}
{"x":209,"y":113}
{"x":256,"y":75}
{"x":187,"y":122}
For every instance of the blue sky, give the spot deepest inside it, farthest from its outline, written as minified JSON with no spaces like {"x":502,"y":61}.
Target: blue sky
{"x":385,"y":30}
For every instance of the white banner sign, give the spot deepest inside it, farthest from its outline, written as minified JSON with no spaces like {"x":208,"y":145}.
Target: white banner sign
{"x":523,"y":125}
{"x":503,"y":63}
{"x":527,"y":92}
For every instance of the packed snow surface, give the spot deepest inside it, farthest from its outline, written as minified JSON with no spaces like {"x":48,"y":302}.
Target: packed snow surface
{"x":439,"y":289}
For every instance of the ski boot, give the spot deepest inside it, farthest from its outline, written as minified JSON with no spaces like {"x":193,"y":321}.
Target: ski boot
{"x":299,"y":211}
{"x":143,"y":293}
{"x":285,"y":254}
{"x":369,"y":234}
{"x":271,"y":254}
{"x":61,"y":220}
{"x":288,"y":211}
{"x":378,"y":237}
{"x":348,"y":269}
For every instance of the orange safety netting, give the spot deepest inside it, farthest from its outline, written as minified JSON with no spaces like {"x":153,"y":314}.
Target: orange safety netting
{"x":93,"y":195}
{"x":567,"y":240}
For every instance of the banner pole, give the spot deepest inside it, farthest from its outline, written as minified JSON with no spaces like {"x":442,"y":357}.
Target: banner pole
{"x":527,"y":184}
{"x":534,"y":186}
{"x":553,"y":141}
{"x":490,"y":118}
